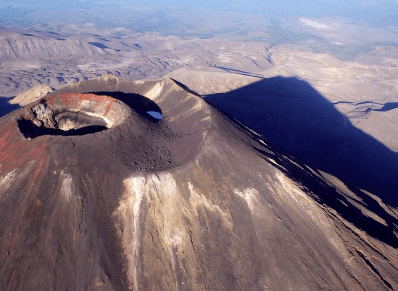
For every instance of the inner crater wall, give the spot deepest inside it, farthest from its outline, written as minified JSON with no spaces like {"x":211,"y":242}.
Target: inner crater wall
{"x":44,"y":112}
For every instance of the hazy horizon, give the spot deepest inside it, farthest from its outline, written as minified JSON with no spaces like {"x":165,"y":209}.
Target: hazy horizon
{"x":374,"y":13}
{"x":342,"y":28}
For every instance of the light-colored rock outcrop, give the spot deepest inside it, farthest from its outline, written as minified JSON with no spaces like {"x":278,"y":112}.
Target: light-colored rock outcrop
{"x":31,"y":95}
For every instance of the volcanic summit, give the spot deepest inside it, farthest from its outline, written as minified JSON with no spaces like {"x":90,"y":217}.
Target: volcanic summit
{"x":98,"y":193}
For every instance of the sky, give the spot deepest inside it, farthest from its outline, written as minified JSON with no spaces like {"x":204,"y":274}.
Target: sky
{"x":378,"y":13}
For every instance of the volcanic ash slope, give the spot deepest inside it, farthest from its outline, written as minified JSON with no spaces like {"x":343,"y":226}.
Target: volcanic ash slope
{"x":95,"y":194}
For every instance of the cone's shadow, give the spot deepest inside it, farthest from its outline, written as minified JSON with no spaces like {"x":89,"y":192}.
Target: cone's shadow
{"x":292,"y":115}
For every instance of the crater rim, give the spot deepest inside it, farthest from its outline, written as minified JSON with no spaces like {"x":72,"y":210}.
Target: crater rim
{"x":72,"y":114}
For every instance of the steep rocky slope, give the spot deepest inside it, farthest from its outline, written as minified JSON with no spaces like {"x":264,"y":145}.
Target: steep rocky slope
{"x":194,"y":201}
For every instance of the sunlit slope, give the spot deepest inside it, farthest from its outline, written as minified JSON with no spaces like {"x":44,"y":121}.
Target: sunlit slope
{"x":193,"y":201}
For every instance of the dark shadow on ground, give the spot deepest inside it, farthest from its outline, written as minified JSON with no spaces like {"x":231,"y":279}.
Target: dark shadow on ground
{"x":6,"y":107}
{"x":239,"y":72}
{"x":293,"y":116}
{"x":98,"y":45}
{"x":388,"y":106}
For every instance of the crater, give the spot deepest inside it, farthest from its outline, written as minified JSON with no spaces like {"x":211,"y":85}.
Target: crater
{"x":71,"y":114}
{"x":75,"y":120}
{"x":140,"y":104}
